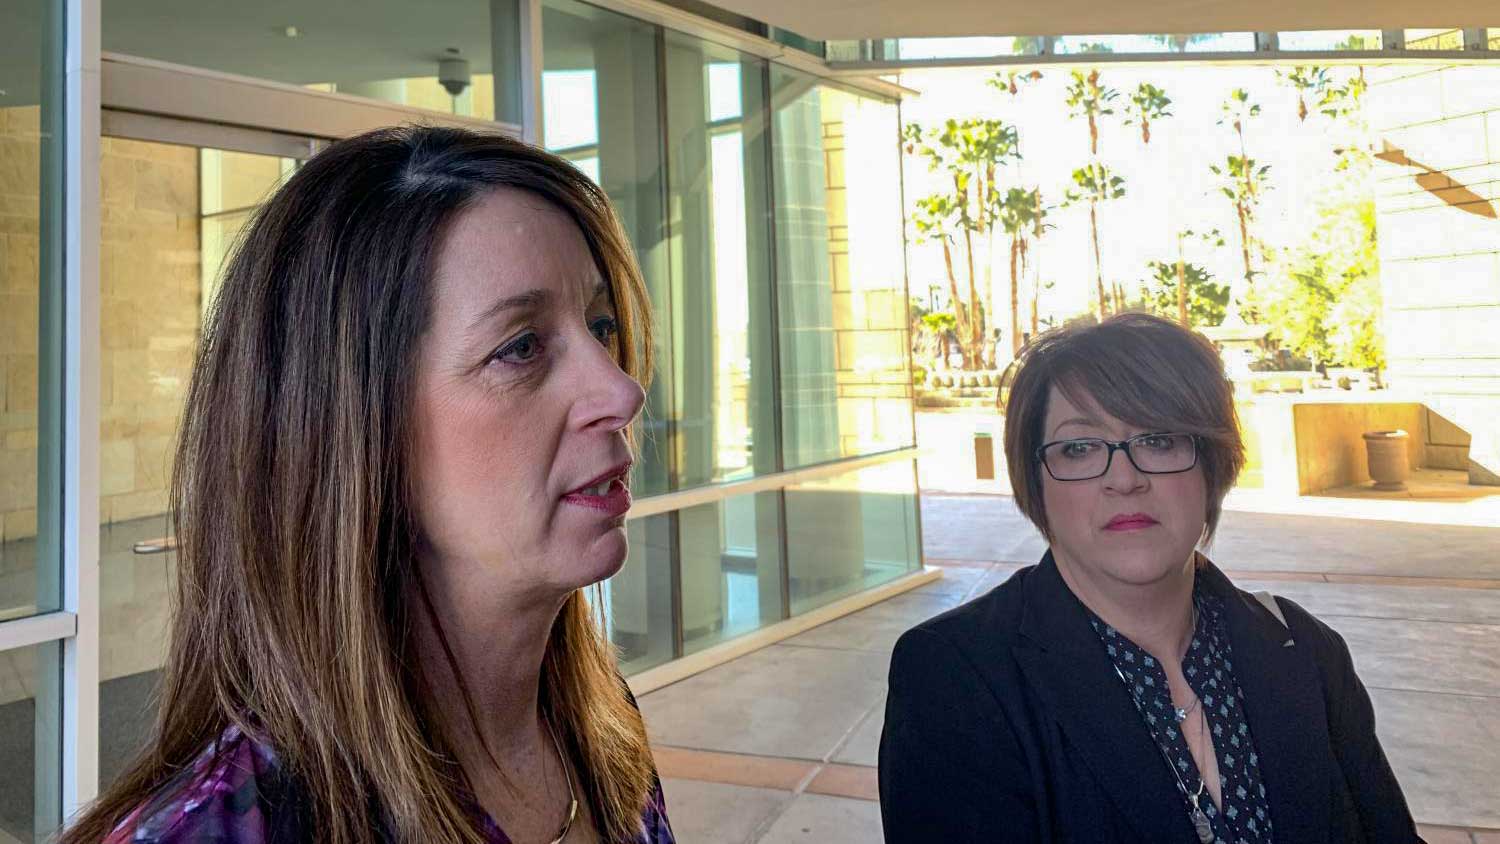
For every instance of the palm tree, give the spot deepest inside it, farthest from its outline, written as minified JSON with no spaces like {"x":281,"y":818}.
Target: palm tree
{"x":1148,"y":103}
{"x":1013,"y":81}
{"x":1019,"y":214}
{"x":971,"y":152}
{"x":1307,"y":81}
{"x":1039,"y":226}
{"x":1088,"y":99}
{"x":1242,"y":179}
{"x":1095,"y":184}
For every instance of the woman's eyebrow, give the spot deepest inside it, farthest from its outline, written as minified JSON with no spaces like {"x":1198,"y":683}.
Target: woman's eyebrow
{"x":533,"y":298}
{"x":1077,"y":420}
{"x":601,"y":291}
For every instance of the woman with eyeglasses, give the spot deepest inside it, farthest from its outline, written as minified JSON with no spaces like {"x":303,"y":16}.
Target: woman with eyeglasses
{"x":1123,"y":689}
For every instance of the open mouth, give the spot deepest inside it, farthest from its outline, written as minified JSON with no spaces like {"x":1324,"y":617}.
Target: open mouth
{"x":608,"y":494}
{"x":605,"y":484}
{"x":600,"y":489}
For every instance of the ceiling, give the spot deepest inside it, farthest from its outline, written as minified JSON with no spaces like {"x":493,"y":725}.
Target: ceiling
{"x":853,"y":19}
{"x":341,"y":41}
{"x":351,"y":41}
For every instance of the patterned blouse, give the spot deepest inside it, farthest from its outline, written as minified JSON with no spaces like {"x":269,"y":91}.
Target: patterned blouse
{"x":1245,"y":816}
{"x":234,"y":793}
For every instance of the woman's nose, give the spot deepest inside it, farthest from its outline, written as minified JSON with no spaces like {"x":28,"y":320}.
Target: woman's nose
{"x":1122,"y":475}
{"x":610,"y":398}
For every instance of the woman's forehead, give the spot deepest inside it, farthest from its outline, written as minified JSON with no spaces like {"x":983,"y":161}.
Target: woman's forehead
{"x":1073,"y":406}
{"x":511,"y":242}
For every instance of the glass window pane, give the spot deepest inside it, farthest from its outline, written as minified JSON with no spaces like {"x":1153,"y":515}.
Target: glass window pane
{"x":960,"y":48}
{"x":1330,"y":39}
{"x":1188,"y":42}
{"x":720,"y":317}
{"x":30,"y":742}
{"x":849,"y":533}
{"x":602,"y":113}
{"x":731,"y":568}
{"x":31,"y":137}
{"x":569,"y":116}
{"x":1435,"y":39}
{"x":638,"y":600}
{"x":386,"y":51}
{"x":845,"y":382}
{"x":169,"y":215}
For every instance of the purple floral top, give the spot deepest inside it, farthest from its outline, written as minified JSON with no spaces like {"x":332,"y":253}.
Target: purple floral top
{"x":234,"y":793}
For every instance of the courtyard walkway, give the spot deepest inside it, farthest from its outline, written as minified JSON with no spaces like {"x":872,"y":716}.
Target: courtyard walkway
{"x":780,"y":745}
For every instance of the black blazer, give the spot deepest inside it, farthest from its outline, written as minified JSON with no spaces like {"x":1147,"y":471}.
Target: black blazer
{"x":1006,"y":722}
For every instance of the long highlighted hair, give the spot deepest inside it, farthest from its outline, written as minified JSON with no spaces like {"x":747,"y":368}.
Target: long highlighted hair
{"x":292,"y":504}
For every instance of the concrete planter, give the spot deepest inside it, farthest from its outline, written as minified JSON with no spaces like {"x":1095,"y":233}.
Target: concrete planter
{"x":1386,"y":451}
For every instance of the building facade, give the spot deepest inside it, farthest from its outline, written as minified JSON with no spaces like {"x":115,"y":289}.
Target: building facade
{"x":1436,"y":200}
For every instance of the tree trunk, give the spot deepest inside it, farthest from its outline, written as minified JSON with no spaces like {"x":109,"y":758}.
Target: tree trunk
{"x":1098,"y":268}
{"x":960,"y":318}
{"x":1182,"y":308}
{"x":975,"y":352}
{"x":1036,"y":270}
{"x":1015,"y":294}
{"x":1244,"y":215}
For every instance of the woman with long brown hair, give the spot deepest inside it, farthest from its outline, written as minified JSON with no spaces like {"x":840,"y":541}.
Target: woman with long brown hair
{"x":405,"y":454}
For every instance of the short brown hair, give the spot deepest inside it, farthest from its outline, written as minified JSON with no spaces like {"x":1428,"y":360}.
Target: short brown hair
{"x":1140,"y":369}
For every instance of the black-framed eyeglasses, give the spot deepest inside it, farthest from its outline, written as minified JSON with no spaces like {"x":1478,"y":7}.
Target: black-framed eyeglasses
{"x":1090,"y":457}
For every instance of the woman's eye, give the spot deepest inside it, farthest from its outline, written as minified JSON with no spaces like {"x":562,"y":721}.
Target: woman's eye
{"x":1079,"y":449}
{"x":604,"y":329}
{"x":521,"y":350}
{"x":1160,"y":442}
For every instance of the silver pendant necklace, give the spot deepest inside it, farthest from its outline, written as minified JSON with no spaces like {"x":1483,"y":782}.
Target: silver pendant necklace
{"x":1200,"y":821}
{"x":1201,"y":824}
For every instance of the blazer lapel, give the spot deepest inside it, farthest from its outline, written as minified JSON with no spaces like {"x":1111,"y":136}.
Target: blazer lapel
{"x":1073,"y":676}
{"x":1283,"y":701}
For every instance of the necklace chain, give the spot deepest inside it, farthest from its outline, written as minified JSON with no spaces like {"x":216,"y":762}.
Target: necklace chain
{"x":1201,"y":824}
{"x":567,"y":777}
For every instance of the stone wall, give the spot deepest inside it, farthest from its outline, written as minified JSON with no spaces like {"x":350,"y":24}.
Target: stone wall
{"x":1330,"y":444}
{"x":20,"y":189}
{"x":1440,"y":245}
{"x":872,"y":364}
{"x":150,"y":279}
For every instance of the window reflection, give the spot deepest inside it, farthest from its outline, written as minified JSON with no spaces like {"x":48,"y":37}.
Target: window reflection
{"x":850,"y":533}
{"x":1330,"y":39}
{"x":720,"y":318}
{"x":731,"y":568}
{"x":841,"y":286}
{"x":30,"y":738}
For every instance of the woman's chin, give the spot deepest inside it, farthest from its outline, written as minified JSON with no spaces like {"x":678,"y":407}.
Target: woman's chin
{"x":603,"y":559}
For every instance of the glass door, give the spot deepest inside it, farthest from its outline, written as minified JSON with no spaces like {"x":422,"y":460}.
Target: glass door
{"x":170,"y":214}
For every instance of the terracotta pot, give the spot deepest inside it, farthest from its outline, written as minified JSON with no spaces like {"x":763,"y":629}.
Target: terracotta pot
{"x":1389,"y":466}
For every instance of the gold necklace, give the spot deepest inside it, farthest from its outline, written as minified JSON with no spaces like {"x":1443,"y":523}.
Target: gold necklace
{"x":568,"y":777}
